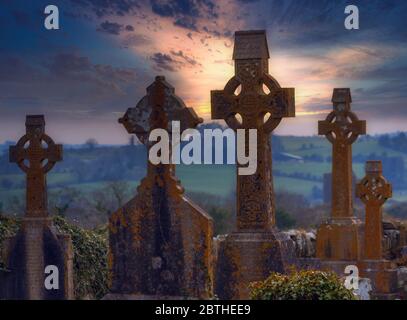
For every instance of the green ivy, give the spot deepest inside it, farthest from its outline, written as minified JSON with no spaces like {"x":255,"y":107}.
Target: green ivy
{"x":302,"y":285}
{"x":90,"y":259}
{"x":90,"y":255}
{"x":8,"y":228}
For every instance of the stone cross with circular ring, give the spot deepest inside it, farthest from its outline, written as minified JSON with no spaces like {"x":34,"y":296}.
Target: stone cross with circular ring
{"x":252,"y":99}
{"x":36,"y":154}
{"x":341,"y":128}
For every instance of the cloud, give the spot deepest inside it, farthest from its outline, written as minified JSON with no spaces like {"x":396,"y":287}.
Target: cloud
{"x":187,"y":59}
{"x":164,"y":62}
{"x":185,"y":13}
{"x":114,"y":28}
{"x":135,"y":40}
{"x":66,"y":81}
{"x":184,"y":8}
{"x":103,"y":8}
{"x":111,"y":27}
{"x":187,"y":23}
{"x":174,"y":61}
{"x":129,"y":28}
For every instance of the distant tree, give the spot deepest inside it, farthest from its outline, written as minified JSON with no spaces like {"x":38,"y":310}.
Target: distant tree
{"x":284,"y":220}
{"x":120,"y":191}
{"x":91,"y":143}
{"x":277,"y":144}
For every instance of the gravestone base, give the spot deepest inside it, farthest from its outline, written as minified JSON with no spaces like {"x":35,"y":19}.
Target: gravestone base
{"x":339,"y":240}
{"x":245,"y":257}
{"x":337,"y":266}
{"x":384,"y":279}
{"x":139,"y":271}
{"x":123,"y":296}
{"x":37,"y":245}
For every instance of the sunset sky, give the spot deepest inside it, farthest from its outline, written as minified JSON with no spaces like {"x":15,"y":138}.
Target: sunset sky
{"x":85,"y":75}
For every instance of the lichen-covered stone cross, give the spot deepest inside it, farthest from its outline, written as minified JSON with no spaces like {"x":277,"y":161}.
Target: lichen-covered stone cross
{"x":261,"y":104}
{"x":36,"y":154}
{"x":341,"y":128}
{"x":374,"y":191}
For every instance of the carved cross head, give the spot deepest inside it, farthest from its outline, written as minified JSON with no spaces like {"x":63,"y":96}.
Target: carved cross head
{"x":158,"y":109}
{"x":373,"y":189}
{"x":342,"y":125}
{"x":252,"y":98}
{"x":35,"y":151}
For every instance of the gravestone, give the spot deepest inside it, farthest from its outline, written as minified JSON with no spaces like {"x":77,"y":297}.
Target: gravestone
{"x":160,"y":241}
{"x":338,"y":239}
{"x":255,"y":248}
{"x":327,"y":187}
{"x":374,"y":191}
{"x":38,"y":244}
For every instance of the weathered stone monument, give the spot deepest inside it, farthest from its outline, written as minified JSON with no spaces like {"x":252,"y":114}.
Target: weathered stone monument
{"x":160,"y":242}
{"x":338,"y":239}
{"x":327,"y":187}
{"x":255,"y":248}
{"x":38,"y":244}
{"x":374,"y":191}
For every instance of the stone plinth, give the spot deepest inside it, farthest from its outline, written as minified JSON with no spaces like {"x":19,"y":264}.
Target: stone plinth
{"x":248,"y":257}
{"x":339,"y":239}
{"x":383,"y":275}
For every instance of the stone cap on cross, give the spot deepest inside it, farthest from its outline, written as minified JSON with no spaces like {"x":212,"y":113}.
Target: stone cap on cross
{"x":251,"y":44}
{"x":342,"y":125}
{"x":158,"y":109}
{"x":35,"y":151}
{"x":342,"y":96}
{"x":373,"y":189}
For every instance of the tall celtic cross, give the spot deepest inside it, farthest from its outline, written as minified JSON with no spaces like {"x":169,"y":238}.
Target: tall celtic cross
{"x":157,"y":110}
{"x":36,"y":154}
{"x":342,"y":127}
{"x":374,"y":191}
{"x":260,"y":104}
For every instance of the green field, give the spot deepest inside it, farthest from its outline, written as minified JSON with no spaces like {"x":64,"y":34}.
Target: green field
{"x":220,"y":180}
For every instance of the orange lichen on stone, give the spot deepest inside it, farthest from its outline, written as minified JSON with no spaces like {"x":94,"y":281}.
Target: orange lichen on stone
{"x":164,"y":248}
{"x":255,"y":248}
{"x":38,"y":244}
{"x":338,"y":238}
{"x":374,"y":191}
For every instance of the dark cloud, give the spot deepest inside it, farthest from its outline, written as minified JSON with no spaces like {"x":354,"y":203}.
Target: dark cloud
{"x":185,"y":12}
{"x":68,"y":63}
{"x":135,"y":40}
{"x":174,"y":61}
{"x":164,"y":62}
{"x":108,"y":7}
{"x":186,"y":58}
{"x":111,"y":27}
{"x":129,"y":28}
{"x":65,"y":80}
{"x":191,"y":8}
{"x":187,"y":23}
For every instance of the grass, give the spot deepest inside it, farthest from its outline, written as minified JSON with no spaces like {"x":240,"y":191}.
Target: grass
{"x":220,"y":179}
{"x":293,"y":185}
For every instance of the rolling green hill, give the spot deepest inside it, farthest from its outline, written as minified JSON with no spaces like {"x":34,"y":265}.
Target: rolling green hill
{"x":88,"y":170}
